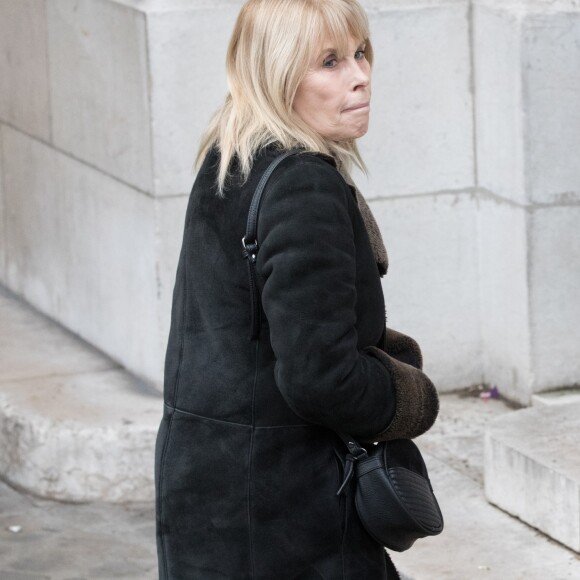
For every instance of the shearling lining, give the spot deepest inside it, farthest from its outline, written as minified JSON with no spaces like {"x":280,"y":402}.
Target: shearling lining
{"x":374,"y":233}
{"x":403,"y":348}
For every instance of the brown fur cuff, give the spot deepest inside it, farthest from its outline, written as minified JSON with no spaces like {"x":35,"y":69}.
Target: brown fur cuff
{"x":403,"y":348}
{"x":417,"y":403}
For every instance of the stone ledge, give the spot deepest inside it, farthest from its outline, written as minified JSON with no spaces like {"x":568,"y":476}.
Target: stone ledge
{"x":73,"y":425}
{"x":557,"y":397}
{"x":82,"y":437}
{"x":532,"y":469}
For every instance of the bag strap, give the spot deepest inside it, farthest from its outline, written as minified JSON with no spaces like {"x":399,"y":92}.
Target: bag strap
{"x":355,"y":453}
{"x":250,"y":253}
{"x":250,"y":241}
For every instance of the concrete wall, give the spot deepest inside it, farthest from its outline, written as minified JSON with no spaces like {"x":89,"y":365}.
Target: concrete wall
{"x":472,"y":151}
{"x":527,"y":103}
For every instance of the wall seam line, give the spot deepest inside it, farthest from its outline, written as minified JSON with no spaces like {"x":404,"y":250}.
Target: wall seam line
{"x":478,"y":192}
{"x":48,"y":75}
{"x":528,"y":217}
{"x":86,"y":163}
{"x":478,"y":197}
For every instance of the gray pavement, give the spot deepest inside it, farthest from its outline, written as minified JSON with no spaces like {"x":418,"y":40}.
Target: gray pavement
{"x":59,"y":541}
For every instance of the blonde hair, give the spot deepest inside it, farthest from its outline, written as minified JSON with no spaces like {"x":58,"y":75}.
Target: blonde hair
{"x":267,"y":58}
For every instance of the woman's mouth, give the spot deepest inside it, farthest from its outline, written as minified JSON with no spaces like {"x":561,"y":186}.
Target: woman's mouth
{"x":357,"y":107}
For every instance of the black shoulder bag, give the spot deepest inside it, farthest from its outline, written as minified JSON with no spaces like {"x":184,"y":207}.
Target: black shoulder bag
{"x":393,"y":497}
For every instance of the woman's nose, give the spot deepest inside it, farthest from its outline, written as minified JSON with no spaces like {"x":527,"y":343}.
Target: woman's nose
{"x":360,"y":77}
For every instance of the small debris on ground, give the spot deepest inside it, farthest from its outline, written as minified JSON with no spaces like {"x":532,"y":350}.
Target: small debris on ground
{"x":492,"y":393}
{"x":15,"y":529}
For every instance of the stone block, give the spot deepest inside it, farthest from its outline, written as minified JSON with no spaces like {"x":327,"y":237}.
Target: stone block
{"x":527,"y":88}
{"x":532,"y":469}
{"x":499,"y":100}
{"x":420,"y":136}
{"x":551,"y":63}
{"x":24,"y":90}
{"x":431,"y":288}
{"x":82,"y":248}
{"x":526,"y":279}
{"x":504,"y":295}
{"x":99,"y":87}
{"x":73,"y":426}
{"x":187,"y":50}
{"x":567,"y":396}
{"x":554,"y":281}
{"x":80,"y":437}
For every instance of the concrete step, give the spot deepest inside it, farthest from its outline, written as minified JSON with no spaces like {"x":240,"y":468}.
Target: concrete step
{"x":566,"y":396}
{"x":532,"y":469}
{"x":74,"y":426}
{"x":479,"y":540}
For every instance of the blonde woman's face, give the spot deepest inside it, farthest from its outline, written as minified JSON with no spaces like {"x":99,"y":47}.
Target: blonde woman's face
{"x":334,"y":97}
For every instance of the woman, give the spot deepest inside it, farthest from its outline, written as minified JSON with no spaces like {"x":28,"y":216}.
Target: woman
{"x":248,"y":462}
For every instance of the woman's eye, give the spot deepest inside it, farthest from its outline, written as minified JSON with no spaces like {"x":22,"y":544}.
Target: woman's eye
{"x":330,"y":62}
{"x":359,"y":54}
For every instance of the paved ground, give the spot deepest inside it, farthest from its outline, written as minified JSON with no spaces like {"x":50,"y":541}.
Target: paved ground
{"x":61,"y":541}
{"x":102,"y":542}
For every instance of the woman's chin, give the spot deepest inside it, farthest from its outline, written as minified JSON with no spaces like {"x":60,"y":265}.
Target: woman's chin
{"x":351,"y":135}
{"x":360,"y":132}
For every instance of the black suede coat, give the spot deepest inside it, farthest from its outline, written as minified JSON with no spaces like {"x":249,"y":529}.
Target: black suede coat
{"x":247,"y":461}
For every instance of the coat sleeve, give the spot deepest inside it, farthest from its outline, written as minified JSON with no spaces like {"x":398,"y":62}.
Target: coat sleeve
{"x":307,"y":265}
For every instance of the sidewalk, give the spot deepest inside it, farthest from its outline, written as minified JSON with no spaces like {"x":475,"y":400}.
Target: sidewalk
{"x":101,"y":542}
{"x":59,"y":541}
